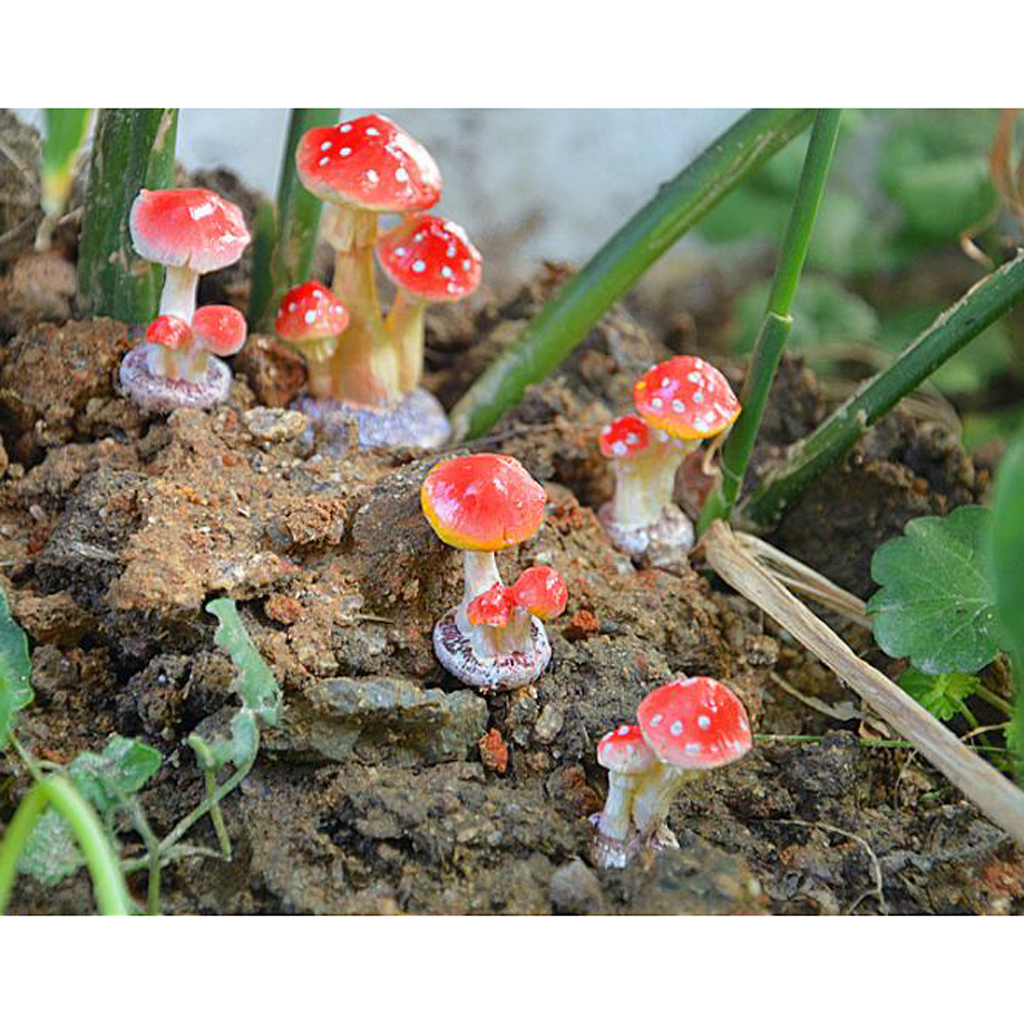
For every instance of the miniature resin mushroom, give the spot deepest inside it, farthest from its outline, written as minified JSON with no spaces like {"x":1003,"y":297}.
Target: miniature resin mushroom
{"x":628,"y":758}
{"x":482,"y":504}
{"x":191,"y":231}
{"x":311,"y":318}
{"x":429,"y":259}
{"x":691,"y":725}
{"x":682,"y":401}
{"x":363,"y":168}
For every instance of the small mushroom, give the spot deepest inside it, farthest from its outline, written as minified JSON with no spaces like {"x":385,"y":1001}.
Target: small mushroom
{"x":628,"y":758}
{"x":429,"y":259}
{"x":191,"y":231}
{"x":311,"y":319}
{"x":691,"y":724}
{"x":682,"y":401}
{"x":481,"y":504}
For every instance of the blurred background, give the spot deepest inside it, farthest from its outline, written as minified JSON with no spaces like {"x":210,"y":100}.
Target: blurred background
{"x":910,"y":220}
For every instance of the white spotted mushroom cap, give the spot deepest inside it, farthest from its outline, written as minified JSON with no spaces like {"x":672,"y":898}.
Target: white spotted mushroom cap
{"x":309,"y":312}
{"x":624,"y":437}
{"x":430,"y":258}
{"x":369,"y":163}
{"x":695,"y":722}
{"x":187,"y":227}
{"x":686,"y":397}
{"x":625,"y":750}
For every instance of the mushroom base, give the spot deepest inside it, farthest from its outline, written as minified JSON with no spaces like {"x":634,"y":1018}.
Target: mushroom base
{"x":162,"y":395}
{"x":418,"y":421}
{"x":505,"y":671}
{"x":606,"y":852}
{"x":661,"y":543}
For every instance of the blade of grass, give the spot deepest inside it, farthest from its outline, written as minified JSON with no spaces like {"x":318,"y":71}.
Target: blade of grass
{"x":567,"y":318}
{"x":992,"y":296}
{"x":775,"y":327}
{"x":66,"y":129}
{"x":296,"y":226}
{"x":132,"y":149}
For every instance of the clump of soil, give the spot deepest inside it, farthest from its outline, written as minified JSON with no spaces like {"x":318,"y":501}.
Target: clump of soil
{"x":388,"y":787}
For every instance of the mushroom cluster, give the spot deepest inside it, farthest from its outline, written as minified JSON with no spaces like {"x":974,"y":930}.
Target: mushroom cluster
{"x":494,"y":639}
{"x":362,"y":169}
{"x":681,"y":402}
{"x":190,"y":231}
{"x":687,"y":726}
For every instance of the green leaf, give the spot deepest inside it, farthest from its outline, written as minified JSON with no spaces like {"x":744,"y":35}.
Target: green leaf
{"x":15,"y":671}
{"x":1007,"y":543}
{"x":123,"y":767}
{"x":942,"y":695}
{"x":255,"y":682}
{"x":213,"y":752}
{"x":50,"y":853}
{"x":936,"y":605}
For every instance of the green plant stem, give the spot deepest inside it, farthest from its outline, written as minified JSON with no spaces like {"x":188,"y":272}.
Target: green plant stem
{"x":893,"y":744}
{"x":993,"y":699}
{"x":179,"y":852}
{"x":141,"y":824}
{"x":567,"y":318}
{"x":108,"y":881}
{"x":215,"y":813}
{"x":296,"y":226}
{"x":778,"y":322}
{"x":66,"y":129}
{"x":132,"y":149}
{"x":954,"y":328}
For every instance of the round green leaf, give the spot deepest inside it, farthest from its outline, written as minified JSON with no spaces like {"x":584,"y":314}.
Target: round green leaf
{"x":936,"y":604}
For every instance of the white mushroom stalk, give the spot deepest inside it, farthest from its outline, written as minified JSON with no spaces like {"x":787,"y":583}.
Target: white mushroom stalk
{"x":178,"y":297}
{"x":644,"y":483}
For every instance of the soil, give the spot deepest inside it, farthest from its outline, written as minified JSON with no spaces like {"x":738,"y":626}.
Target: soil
{"x":387,"y":787}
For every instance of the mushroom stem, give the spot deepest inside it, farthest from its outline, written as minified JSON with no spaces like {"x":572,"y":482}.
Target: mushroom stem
{"x":405,"y":326}
{"x":654,"y":796}
{"x":644,"y":483}
{"x":481,"y":573}
{"x":188,"y":364}
{"x":179,"y":295}
{"x":364,"y":369}
{"x":614,"y":820}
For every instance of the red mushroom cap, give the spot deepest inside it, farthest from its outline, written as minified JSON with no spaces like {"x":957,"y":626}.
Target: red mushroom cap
{"x":170,"y":331}
{"x":309,"y":312}
{"x":493,"y":607}
{"x":625,"y":750}
{"x":541,"y":591}
{"x":624,"y":437}
{"x":221,"y":329}
{"x":482,"y":502}
{"x":695,"y":722}
{"x":370,"y":163}
{"x":187,"y":227}
{"x":431,"y":258}
{"x":687,"y":397}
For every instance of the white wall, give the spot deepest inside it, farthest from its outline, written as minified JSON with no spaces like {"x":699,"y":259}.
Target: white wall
{"x":526,"y":184}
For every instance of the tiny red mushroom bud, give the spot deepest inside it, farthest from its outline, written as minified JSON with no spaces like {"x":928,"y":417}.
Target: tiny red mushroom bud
{"x":624,"y":438}
{"x":311,"y":317}
{"x":167,"y":335}
{"x":219,"y":329}
{"x":691,"y":724}
{"x":628,"y":758}
{"x":493,"y":607}
{"x":541,"y":591}
{"x":686,"y":397}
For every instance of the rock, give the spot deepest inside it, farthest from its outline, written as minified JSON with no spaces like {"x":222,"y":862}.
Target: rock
{"x":576,"y":890}
{"x":275,"y":373}
{"x":379,"y":720}
{"x":275,"y":425}
{"x":549,"y":725}
{"x":494,"y":752}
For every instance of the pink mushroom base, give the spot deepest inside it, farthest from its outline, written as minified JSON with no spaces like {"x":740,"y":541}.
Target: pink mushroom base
{"x":456,"y":651}
{"x":661,"y":543}
{"x":418,"y":421}
{"x":162,"y":395}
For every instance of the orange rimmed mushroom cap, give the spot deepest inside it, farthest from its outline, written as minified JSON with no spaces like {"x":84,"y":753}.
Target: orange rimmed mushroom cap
{"x":482,"y":502}
{"x":220,"y":329}
{"x":170,"y":331}
{"x":686,"y":397}
{"x":431,"y":258}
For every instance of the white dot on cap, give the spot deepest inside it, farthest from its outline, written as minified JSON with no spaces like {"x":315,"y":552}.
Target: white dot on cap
{"x":678,"y":406}
{"x":656,"y":721}
{"x":743,"y":726}
{"x":372,"y":131}
{"x":657,"y":403}
{"x":324,"y":160}
{"x":693,"y":377}
{"x":310,"y":317}
{"x":703,"y":721}
{"x":466,"y":264}
{"x":623,"y":730}
{"x":676,"y":729}
{"x":694,"y":748}
{"x":619,"y":448}
{"x":345,"y":151}
{"x":317,"y":294}
{"x":401,"y":250}
{"x":372,"y":177}
{"x":345,"y":128}
{"x":324,"y":146}
{"x":665,"y":382}
{"x":419,"y":266}
{"x":401,"y":174}
{"x":446,"y":271}
{"x":291,"y":307}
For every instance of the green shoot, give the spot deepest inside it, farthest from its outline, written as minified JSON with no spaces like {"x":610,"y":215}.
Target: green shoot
{"x":132,"y":149}
{"x":943,"y":695}
{"x":567,"y":318}
{"x":66,"y":129}
{"x":777,"y":321}
{"x":981,"y":306}
{"x":15,"y":671}
{"x":291,"y":233}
